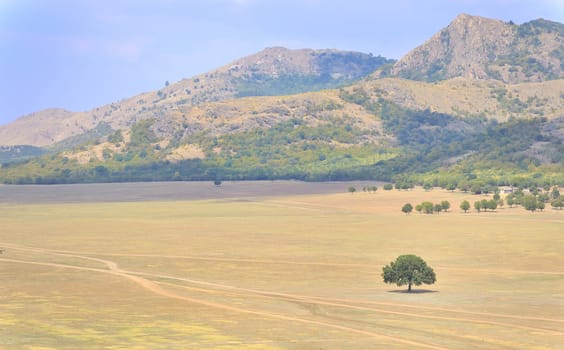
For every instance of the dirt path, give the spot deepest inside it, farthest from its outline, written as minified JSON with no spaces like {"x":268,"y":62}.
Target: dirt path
{"x":346,"y":303}
{"x":156,"y":289}
{"x":142,"y":280}
{"x":350,"y":304}
{"x":267,"y":261}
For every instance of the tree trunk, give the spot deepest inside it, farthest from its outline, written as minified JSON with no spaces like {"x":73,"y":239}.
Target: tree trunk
{"x":409,"y":287}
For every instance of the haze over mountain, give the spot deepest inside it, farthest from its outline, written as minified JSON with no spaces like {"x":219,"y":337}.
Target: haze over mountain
{"x":79,"y":55}
{"x":323,"y":114}
{"x":270,"y":72}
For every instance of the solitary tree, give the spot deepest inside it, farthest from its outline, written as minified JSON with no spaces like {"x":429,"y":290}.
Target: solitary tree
{"x":408,"y":269}
{"x":485,"y":204}
{"x":352,"y":189}
{"x":445,"y":205}
{"x":465,"y":205}
{"x":407,"y":208}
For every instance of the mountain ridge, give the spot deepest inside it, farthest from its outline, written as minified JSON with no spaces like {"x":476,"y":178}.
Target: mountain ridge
{"x":361,"y":116}
{"x":44,"y":128}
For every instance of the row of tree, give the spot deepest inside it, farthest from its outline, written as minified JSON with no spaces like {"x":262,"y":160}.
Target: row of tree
{"x":536,"y":199}
{"x":468,"y":180}
{"x":529,"y":202}
{"x":368,"y":189}
{"x":427,"y":207}
{"x":483,"y":204}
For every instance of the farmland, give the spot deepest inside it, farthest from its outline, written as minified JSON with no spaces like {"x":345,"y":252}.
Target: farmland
{"x":271,"y":266}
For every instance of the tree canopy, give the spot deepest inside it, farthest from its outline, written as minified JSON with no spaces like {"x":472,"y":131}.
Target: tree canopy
{"x":407,"y":208}
{"x":465,"y":205}
{"x":408,"y":269}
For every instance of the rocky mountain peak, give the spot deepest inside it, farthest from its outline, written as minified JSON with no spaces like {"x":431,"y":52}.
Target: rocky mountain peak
{"x":475,"y":47}
{"x":278,"y":61}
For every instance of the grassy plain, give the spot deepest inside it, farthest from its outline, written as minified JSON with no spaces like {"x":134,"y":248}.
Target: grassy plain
{"x":279,"y":272}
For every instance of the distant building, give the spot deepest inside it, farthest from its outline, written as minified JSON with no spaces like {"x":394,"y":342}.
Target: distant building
{"x":507,"y":189}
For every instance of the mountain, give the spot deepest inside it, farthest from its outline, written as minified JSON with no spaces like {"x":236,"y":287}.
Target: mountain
{"x":481,"y":116}
{"x":273,"y":71}
{"x":279,"y":71}
{"x":481,"y":48}
{"x":381,"y":129}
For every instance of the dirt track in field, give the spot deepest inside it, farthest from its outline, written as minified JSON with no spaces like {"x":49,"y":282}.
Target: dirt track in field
{"x":146,"y":281}
{"x":156,"y":289}
{"x":266,"y":261}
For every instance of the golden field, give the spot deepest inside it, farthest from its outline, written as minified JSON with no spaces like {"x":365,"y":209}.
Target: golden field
{"x":278,"y":272}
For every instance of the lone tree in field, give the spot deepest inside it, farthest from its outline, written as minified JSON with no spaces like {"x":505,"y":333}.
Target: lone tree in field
{"x":465,"y":205}
{"x":407,"y":208}
{"x":410,"y":270}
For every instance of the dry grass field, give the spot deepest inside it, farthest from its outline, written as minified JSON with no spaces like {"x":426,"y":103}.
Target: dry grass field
{"x":298,"y":271}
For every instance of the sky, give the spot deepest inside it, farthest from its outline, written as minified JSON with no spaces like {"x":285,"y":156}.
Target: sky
{"x":80,"y":54}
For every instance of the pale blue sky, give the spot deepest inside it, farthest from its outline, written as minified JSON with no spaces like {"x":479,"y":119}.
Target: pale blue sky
{"x":79,"y":54}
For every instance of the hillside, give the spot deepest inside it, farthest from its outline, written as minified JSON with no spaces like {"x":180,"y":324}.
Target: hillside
{"x":375,"y":129}
{"x":481,"y":48}
{"x":251,"y":119}
{"x":273,"y":71}
{"x":19,"y":153}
